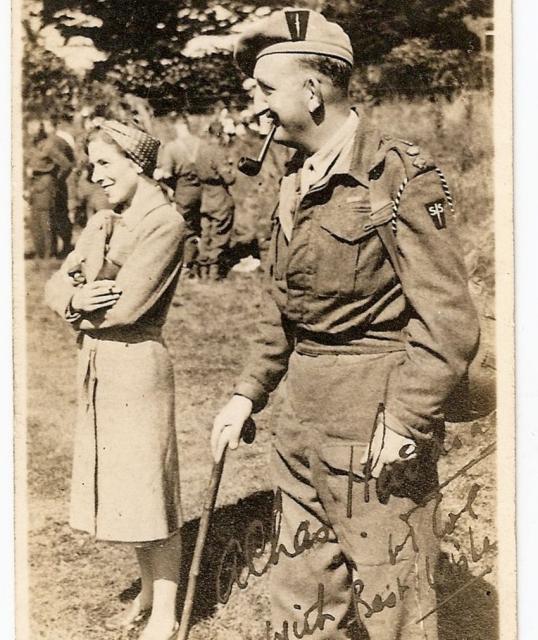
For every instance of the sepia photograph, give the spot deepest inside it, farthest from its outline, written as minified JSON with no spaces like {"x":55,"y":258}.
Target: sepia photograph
{"x":263,"y":299}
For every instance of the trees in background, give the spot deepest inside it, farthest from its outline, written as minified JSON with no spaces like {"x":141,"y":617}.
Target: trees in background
{"x":417,"y":47}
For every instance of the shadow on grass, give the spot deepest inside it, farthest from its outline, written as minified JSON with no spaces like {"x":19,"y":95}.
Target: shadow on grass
{"x":227,"y":522}
{"x":467,"y":605}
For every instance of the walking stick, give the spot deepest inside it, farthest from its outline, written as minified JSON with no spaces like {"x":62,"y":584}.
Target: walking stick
{"x":248,"y":434}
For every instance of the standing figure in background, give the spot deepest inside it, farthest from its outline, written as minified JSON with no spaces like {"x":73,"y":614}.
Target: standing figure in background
{"x":47,"y":166}
{"x":60,"y":140}
{"x":178,"y":169}
{"x":216,"y":175}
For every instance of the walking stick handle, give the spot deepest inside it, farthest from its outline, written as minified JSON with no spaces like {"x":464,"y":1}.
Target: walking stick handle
{"x":248,"y":434}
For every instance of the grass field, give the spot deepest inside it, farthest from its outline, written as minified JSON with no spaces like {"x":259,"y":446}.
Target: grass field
{"x":77,"y":583}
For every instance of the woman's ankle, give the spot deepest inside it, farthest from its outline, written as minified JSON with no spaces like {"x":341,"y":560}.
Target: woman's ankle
{"x":144,"y":600}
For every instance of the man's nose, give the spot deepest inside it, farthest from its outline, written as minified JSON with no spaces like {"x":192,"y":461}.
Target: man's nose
{"x":260,"y":102}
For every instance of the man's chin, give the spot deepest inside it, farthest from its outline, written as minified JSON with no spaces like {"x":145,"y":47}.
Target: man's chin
{"x":282,"y":137}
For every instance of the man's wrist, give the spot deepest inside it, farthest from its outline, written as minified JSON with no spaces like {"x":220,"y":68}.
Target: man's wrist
{"x":245,"y":403}
{"x":254,"y":392}
{"x":398,"y":426}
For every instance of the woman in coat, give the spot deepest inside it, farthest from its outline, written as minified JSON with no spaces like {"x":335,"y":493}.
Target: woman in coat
{"x":115,"y":289}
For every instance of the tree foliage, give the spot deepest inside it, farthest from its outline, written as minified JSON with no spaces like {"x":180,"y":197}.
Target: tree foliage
{"x":417,"y":46}
{"x":47,"y":85}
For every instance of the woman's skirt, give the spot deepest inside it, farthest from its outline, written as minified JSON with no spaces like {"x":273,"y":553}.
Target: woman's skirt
{"x":125,"y":484}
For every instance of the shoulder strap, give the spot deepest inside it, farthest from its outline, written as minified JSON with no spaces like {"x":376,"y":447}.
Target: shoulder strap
{"x":381,"y":191}
{"x":383,"y":205}
{"x":384,"y":201}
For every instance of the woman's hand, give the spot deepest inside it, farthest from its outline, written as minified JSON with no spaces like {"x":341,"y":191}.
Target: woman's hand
{"x":92,"y":296}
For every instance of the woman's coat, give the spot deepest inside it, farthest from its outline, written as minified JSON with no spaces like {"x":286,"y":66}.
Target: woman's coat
{"x":125,"y":484}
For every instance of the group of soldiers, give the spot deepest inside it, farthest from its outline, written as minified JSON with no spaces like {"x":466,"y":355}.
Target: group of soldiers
{"x":200,"y":175}
{"x":195,"y":171}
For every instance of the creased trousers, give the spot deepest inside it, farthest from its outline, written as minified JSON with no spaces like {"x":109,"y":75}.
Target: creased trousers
{"x":369,"y":576}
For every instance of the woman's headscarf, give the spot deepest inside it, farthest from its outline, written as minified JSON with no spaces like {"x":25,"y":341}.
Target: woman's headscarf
{"x":138,"y":145}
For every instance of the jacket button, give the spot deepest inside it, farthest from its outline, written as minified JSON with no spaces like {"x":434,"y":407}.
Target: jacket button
{"x":413,"y":151}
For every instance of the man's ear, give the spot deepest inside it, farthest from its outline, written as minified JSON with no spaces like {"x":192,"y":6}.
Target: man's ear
{"x":315,"y":102}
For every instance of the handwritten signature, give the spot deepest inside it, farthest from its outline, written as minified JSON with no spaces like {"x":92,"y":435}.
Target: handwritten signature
{"x":262,"y":549}
{"x":308,"y":627}
{"x":254,"y":547}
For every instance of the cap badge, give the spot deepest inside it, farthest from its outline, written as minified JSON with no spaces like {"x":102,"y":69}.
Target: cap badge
{"x":297,"y":24}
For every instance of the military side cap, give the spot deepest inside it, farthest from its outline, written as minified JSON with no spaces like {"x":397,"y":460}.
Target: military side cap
{"x":297,"y":31}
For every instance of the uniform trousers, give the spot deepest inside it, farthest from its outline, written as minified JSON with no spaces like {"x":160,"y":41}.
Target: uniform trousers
{"x":61,"y":225}
{"x":356,"y":567}
{"x":217,"y":227}
{"x":188,"y":199}
{"x":43,"y":195}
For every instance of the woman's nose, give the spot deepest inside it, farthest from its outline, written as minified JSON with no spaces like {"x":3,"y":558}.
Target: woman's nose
{"x":95,"y":174}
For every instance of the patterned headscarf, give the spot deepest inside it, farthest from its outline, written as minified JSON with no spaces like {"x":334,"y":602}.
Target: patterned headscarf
{"x":138,"y":145}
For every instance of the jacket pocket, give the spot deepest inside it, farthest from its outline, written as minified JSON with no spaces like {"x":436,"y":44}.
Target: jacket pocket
{"x":339,"y":241}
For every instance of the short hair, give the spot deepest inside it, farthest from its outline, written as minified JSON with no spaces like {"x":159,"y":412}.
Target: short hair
{"x":336,"y":70}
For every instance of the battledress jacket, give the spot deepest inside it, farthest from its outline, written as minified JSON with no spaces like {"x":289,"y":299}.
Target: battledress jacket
{"x":125,"y":484}
{"x":331,"y":289}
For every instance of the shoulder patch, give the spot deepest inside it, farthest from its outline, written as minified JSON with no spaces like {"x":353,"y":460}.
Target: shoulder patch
{"x":436,"y":211}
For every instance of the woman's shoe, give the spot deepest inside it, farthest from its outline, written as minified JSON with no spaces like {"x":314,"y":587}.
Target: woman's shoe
{"x":129,"y":617}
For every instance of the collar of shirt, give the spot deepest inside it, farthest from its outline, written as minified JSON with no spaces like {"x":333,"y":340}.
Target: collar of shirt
{"x":335,"y":156}
{"x":148,"y":196}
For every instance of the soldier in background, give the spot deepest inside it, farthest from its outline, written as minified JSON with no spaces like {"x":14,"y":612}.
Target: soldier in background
{"x":177,"y":167}
{"x":60,"y":143}
{"x":47,"y":170}
{"x":217,"y":209}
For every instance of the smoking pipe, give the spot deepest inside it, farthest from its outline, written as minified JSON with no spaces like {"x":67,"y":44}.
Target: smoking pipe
{"x":250,"y":166}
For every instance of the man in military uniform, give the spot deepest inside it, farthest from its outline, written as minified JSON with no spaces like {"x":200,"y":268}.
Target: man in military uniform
{"x":217,"y":208}
{"x":48,"y":168}
{"x":367,"y":328}
{"x":177,"y":167}
{"x":57,"y":145}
